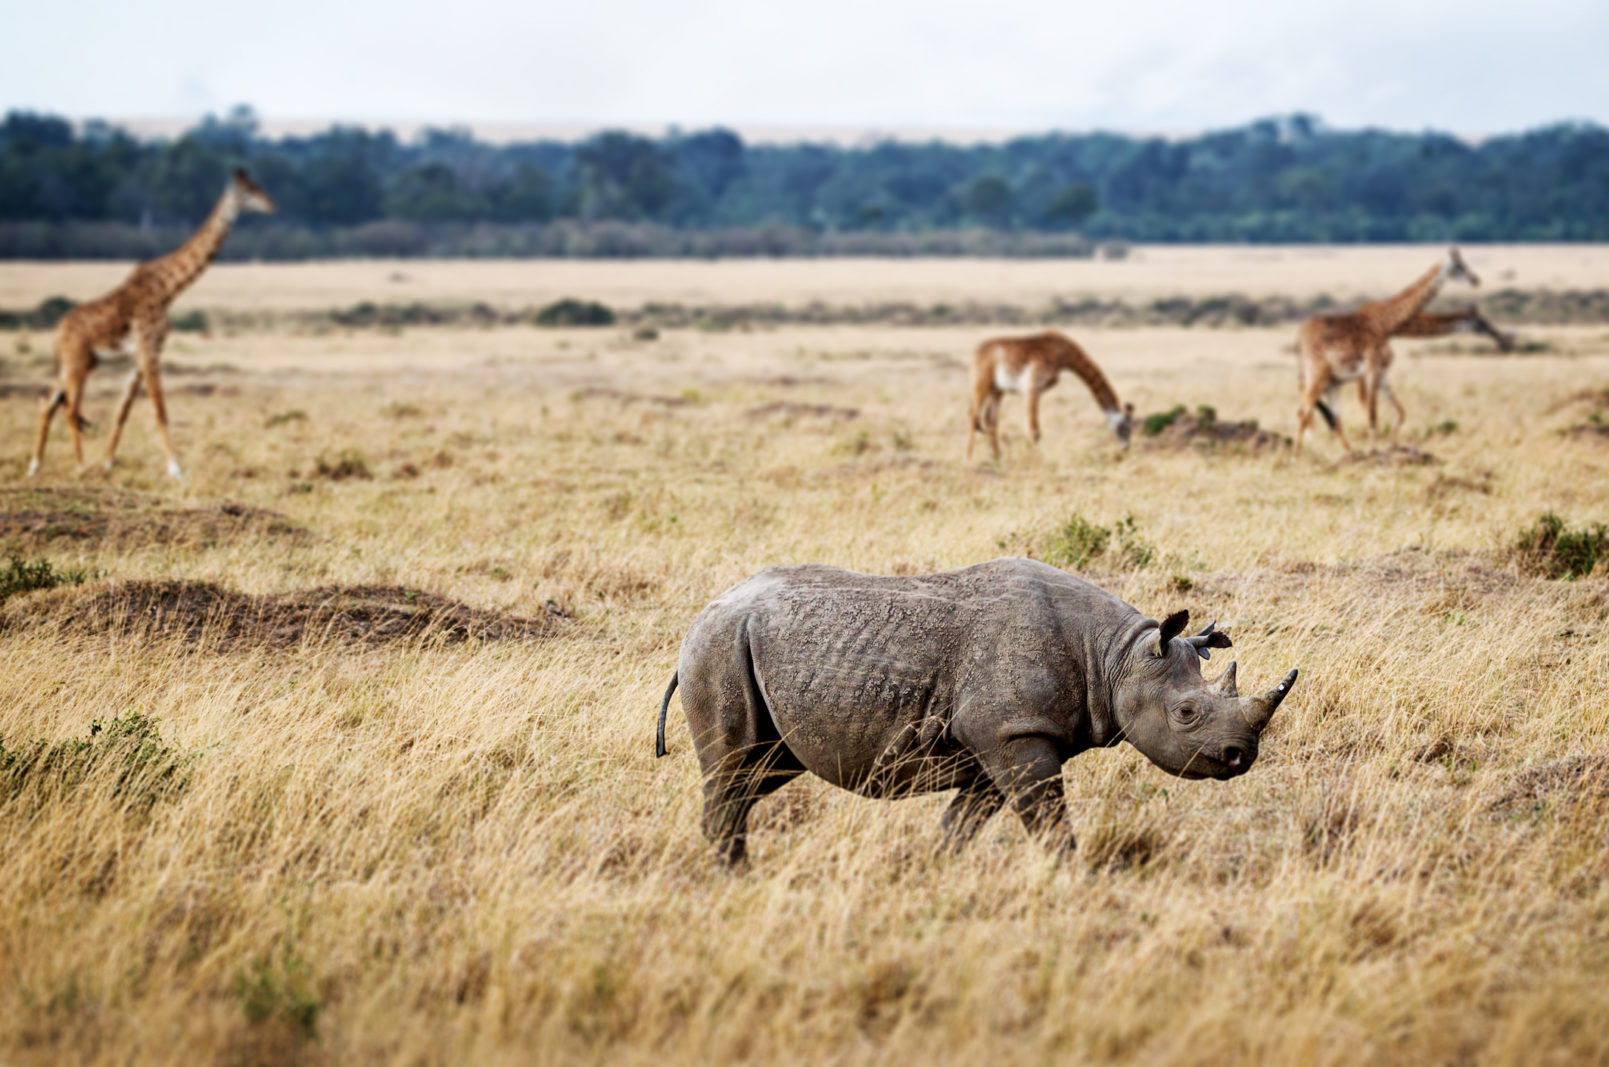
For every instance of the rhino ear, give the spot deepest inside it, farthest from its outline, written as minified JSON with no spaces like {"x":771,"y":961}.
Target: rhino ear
{"x":1171,"y":627}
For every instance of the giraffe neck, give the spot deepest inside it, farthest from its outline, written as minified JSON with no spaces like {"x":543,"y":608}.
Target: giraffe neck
{"x":195,"y":255}
{"x":1074,"y":359}
{"x":1391,"y":314}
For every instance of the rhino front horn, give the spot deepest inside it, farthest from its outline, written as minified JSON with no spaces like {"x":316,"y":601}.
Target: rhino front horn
{"x":1263,"y":707}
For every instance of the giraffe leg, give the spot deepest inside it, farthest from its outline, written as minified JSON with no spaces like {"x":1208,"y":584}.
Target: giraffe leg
{"x":75,"y":418}
{"x":52,"y":404}
{"x":980,"y":399}
{"x":150,"y":336}
{"x":1340,"y":431}
{"x":1402,"y":415}
{"x":129,"y":394}
{"x":1369,"y":391}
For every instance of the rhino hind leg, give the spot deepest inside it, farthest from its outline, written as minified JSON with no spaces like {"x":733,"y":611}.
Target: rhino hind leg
{"x":731,"y":794}
{"x":975,"y":803}
{"x":740,"y":751}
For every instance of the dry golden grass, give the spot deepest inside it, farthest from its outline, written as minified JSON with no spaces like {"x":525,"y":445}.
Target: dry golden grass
{"x":429,"y":850}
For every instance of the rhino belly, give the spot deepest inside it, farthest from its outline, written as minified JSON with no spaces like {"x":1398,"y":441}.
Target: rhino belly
{"x":865,"y":729}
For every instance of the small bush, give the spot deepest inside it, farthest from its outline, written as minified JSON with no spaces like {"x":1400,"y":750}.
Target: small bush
{"x":1158,"y":421}
{"x":284,"y":417}
{"x":349,"y":463}
{"x":129,"y":750}
{"x":1133,"y":549}
{"x":280,"y":990}
{"x":192,"y":321}
{"x":1075,"y":543}
{"x":571,"y":312}
{"x":1078,"y":542}
{"x":20,"y":577}
{"x":1553,"y":549}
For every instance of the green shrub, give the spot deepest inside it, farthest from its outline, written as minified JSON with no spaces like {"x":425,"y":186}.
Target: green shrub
{"x":1132,"y":549}
{"x":1553,"y":549}
{"x":20,"y":577}
{"x":1158,"y":421}
{"x":571,"y":312}
{"x":1078,"y":542}
{"x":192,"y":321}
{"x":128,"y":749}
{"x":281,"y":418}
{"x":280,"y":990}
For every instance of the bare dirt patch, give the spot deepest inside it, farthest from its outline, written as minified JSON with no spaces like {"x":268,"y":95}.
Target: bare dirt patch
{"x":791,"y":409}
{"x":219,"y":618}
{"x":1573,"y":778}
{"x":1392,"y":456}
{"x":627,"y":398}
{"x":33,"y":518}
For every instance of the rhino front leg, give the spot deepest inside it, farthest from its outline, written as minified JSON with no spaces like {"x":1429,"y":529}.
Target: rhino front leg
{"x":974,"y":804}
{"x":1028,"y":771}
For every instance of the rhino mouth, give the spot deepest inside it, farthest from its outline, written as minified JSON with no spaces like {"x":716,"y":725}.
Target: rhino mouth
{"x":1204,"y":766}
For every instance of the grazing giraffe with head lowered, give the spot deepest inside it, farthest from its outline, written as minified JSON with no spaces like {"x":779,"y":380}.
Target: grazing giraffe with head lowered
{"x":1030,"y":365}
{"x":1335,"y":349}
{"x":1469,"y":320}
{"x":133,"y":320}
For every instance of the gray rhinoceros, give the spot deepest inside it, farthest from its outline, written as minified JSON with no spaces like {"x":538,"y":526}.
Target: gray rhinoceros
{"x":984,"y":679}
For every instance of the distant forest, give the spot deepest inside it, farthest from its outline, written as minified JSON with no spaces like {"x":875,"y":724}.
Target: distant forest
{"x":96,"y":191}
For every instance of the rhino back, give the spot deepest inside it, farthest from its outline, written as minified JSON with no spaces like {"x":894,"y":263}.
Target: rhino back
{"x":863,"y":672}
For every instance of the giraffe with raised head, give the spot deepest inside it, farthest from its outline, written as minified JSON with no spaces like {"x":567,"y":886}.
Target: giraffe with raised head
{"x":1030,"y":365}
{"x":133,"y":320}
{"x":1335,"y":349}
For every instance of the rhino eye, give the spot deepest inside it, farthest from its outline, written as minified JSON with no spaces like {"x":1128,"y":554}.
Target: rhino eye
{"x":1186,"y":713}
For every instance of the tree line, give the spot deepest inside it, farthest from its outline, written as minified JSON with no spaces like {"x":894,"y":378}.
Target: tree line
{"x":96,"y":190}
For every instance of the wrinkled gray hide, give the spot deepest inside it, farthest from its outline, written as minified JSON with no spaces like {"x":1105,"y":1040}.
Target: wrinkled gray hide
{"x":983,"y":680}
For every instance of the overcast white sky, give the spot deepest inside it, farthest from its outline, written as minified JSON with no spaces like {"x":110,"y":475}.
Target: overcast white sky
{"x":1170,"y":66}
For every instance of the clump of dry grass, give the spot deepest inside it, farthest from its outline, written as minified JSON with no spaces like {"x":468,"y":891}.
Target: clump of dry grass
{"x":437,"y":850}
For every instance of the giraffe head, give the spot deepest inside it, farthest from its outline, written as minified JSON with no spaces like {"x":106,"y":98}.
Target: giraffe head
{"x":248,"y":194}
{"x":1455,"y":269}
{"x":1122,"y":423}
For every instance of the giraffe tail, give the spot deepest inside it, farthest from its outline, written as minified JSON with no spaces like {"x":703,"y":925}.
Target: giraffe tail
{"x":1324,"y":409}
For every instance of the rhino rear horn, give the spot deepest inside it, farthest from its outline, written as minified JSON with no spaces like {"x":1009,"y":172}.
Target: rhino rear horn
{"x":1226,"y":681}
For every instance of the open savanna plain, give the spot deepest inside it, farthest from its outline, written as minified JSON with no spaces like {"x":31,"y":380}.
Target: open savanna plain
{"x":341,"y":749}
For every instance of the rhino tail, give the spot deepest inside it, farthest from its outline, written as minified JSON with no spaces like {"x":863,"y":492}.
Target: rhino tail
{"x":664,"y":709}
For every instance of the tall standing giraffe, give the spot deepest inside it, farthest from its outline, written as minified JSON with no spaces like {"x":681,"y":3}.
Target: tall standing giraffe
{"x":1335,"y":349}
{"x":133,"y":320}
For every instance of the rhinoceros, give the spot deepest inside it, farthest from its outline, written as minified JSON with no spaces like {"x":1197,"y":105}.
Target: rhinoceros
{"x":984,"y":680}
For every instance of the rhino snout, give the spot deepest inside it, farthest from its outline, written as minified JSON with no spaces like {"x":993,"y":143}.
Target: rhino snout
{"x":1237,"y":759}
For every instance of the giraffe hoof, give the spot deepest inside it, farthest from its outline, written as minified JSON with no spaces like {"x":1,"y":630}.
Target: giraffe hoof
{"x":108,"y":464}
{"x":173,"y":469}
{"x":33,"y":468}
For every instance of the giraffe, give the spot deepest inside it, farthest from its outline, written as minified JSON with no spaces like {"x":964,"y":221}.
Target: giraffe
{"x":133,"y":320}
{"x":1030,"y":365}
{"x":1335,"y":349}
